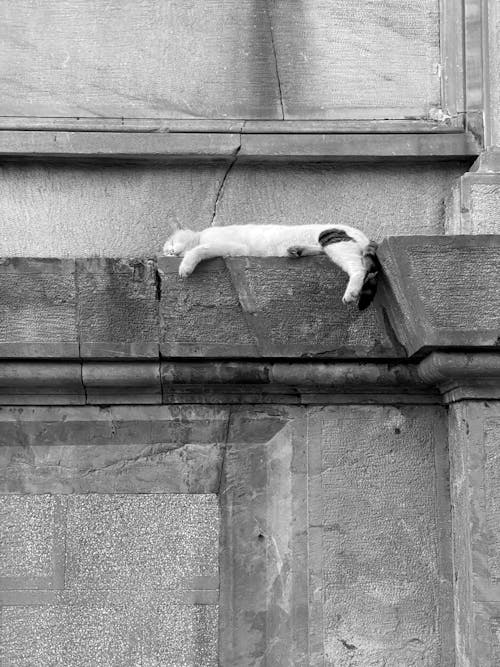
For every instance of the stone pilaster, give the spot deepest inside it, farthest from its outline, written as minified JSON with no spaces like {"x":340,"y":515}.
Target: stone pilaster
{"x":470,"y":387}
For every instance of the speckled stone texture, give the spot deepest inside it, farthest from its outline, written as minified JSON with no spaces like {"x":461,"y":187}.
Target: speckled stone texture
{"x":109,"y":535}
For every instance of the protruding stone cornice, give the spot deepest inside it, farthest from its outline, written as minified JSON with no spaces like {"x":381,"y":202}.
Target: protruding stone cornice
{"x":463,"y":375}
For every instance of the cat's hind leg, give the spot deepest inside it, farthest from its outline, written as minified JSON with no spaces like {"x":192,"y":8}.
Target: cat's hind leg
{"x":296,"y":251}
{"x":196,"y":255}
{"x":349,"y":257}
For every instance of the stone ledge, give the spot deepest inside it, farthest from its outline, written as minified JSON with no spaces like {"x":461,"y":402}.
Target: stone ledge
{"x":441,"y":292}
{"x":213,"y":382}
{"x":462,"y":375}
{"x":435,"y":293}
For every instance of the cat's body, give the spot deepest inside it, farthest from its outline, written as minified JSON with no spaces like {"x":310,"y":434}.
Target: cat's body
{"x":345,"y":246}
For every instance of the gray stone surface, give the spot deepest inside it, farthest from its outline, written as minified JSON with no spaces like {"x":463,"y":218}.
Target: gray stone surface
{"x":379,"y":537}
{"x":473,"y":437}
{"x":128,"y":211}
{"x":121,"y":579}
{"x":441,"y":291}
{"x":38,"y":308}
{"x":274,"y":307}
{"x":117,"y":308}
{"x":112,"y":450}
{"x":337,"y":538}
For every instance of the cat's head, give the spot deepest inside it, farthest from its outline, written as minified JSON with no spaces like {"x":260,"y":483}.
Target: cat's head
{"x":180,"y":241}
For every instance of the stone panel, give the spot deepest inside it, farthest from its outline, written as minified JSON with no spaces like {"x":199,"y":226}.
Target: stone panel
{"x":441,"y":291}
{"x":111,"y":450}
{"x":271,"y":307}
{"x":152,"y":541}
{"x":128,"y":211}
{"x":117,"y":308}
{"x":379,"y":537}
{"x":112,"y":633}
{"x":38,"y":308}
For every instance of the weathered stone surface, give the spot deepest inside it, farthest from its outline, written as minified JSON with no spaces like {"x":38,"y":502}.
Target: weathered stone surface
{"x":337,"y":538}
{"x":379,"y":537}
{"x":441,"y":291}
{"x":112,"y":450}
{"x":128,"y":211}
{"x":475,"y":473}
{"x":117,"y":308}
{"x":38,"y":308}
{"x":474,"y":204}
{"x":272,"y":307}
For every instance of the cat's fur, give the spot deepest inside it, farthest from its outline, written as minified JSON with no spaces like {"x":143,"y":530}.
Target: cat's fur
{"x":346,"y":246}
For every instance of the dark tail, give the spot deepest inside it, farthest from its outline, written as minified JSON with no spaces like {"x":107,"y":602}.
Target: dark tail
{"x":370,"y":283}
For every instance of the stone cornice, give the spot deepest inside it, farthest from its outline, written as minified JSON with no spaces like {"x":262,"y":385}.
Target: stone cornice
{"x":463,"y":375}
{"x":152,"y":382}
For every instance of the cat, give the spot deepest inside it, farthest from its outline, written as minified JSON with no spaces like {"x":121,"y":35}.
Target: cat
{"x":346,"y":247}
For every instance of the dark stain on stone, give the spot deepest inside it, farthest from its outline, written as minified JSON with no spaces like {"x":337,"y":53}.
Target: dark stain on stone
{"x":329,"y":236}
{"x":349,"y":647}
{"x":397,"y":431}
{"x":260,"y":537}
{"x":158,"y":285}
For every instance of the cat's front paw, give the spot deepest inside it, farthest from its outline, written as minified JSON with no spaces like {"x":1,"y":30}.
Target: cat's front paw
{"x":185,"y":269}
{"x":295,"y":251}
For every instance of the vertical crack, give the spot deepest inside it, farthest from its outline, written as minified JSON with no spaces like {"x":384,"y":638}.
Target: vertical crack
{"x":273,"y":45}
{"x":222,"y":184}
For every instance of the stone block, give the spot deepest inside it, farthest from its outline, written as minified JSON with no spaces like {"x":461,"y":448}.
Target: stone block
{"x":270,"y":307}
{"x":441,"y":291}
{"x":113,"y":450}
{"x":38,"y":308}
{"x":117,"y":308}
{"x":152,"y":541}
{"x":31,"y":542}
{"x":118,"y":633}
{"x":379,"y":537}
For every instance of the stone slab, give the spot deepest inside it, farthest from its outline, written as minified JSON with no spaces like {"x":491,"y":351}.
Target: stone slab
{"x":441,"y":291}
{"x":117,"y":308}
{"x":41,"y":383}
{"x":38,"y":308}
{"x":270,"y":307}
{"x":175,"y":449}
{"x":379,"y":537}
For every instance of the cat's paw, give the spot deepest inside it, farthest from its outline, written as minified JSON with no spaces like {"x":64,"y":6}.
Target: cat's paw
{"x":295,"y":251}
{"x":350,"y":296}
{"x":185,"y":269}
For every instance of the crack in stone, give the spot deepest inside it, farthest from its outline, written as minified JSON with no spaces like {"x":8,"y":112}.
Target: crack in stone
{"x":222,"y":184}
{"x":276,"y":62}
{"x":224,"y":451}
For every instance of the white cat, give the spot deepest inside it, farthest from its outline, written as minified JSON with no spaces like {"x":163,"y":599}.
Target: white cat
{"x":346,"y":246}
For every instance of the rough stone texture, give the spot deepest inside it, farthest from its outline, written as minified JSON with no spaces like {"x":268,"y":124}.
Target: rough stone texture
{"x":474,"y":441}
{"x":117,"y":308}
{"x":474,"y":205}
{"x":337,"y":538}
{"x":379,"y":537}
{"x":123,"y":211}
{"x":264,"y":307}
{"x":441,"y":291}
{"x":111,"y":450}
{"x":37,"y":296}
